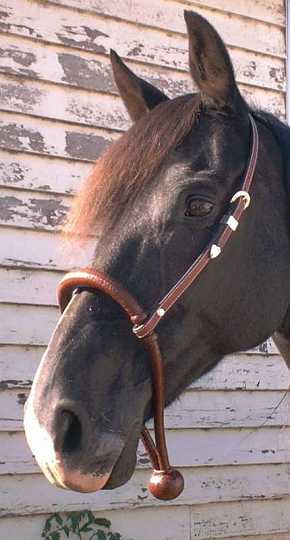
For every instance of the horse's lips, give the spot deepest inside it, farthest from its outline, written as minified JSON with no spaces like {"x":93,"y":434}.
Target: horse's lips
{"x":74,"y":480}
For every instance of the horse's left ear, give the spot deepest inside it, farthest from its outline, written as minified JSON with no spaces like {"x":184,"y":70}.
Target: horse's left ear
{"x":138,"y":96}
{"x":210,"y":64}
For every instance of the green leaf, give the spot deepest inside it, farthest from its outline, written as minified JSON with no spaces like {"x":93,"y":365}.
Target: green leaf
{"x":91,"y":516}
{"x":58,"y":519}
{"x":97,"y":536}
{"x":101,"y":535}
{"x":86,"y":528}
{"x":102,"y":522}
{"x":55,"y":535}
{"x":74,"y":519}
{"x":66,"y":530}
{"x":47,"y":525}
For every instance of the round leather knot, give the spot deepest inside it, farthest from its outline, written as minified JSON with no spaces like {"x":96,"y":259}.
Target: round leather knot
{"x":166,"y":485}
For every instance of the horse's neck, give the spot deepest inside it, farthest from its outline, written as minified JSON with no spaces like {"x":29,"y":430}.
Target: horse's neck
{"x":281,"y":132}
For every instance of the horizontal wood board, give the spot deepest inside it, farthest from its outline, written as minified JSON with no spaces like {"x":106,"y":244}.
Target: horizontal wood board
{"x":59,"y":110}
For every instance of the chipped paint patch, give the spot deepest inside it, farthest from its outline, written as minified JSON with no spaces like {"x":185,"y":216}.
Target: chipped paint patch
{"x":18,"y":137}
{"x":23,"y":58}
{"x":48,"y":212}
{"x":8,"y":207}
{"x":12,"y":173}
{"x":19,"y":97}
{"x":89,"y":73}
{"x":83,"y":146}
{"x":279,"y":76}
{"x":21,"y":398}
{"x":82,"y":37}
{"x":13,"y":383}
{"x":33,"y":212}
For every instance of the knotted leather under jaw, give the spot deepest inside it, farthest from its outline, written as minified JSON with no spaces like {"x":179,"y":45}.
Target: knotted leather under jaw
{"x":166,"y":482}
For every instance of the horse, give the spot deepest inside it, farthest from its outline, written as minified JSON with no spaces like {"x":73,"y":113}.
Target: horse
{"x":155,"y":202}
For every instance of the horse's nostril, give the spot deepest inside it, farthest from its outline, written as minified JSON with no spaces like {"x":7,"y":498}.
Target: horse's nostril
{"x":71,"y":432}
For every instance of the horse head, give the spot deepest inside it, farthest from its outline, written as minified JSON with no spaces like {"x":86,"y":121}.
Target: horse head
{"x":154,"y":200}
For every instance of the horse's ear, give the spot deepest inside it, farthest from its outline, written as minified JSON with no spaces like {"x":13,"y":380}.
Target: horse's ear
{"x":139,"y":96}
{"x":210,"y":64}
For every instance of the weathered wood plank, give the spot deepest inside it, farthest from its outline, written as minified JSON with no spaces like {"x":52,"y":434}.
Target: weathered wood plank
{"x":31,"y":526}
{"x":37,"y":211}
{"x":130,"y":524}
{"x":38,"y":249}
{"x":240,"y":371}
{"x":28,"y":248}
{"x":54,"y":63}
{"x":29,"y":286}
{"x":18,"y":365}
{"x":92,"y":71}
{"x":266,"y":10}
{"x":272,"y":102}
{"x":27,"y":325}
{"x":278,"y":536}
{"x":248,"y":372}
{"x":62,"y":103}
{"x":240,"y":519}
{"x":187,"y":447}
{"x":194,"y":409}
{"x":202,"y":486}
{"x":38,"y":286}
{"x":95,"y":33}
{"x":45,"y":137}
{"x":21,"y":324}
{"x":154,"y":16}
{"x":208,"y":409}
{"x":80,"y":107}
{"x":49,"y":139}
{"x":45,"y":174}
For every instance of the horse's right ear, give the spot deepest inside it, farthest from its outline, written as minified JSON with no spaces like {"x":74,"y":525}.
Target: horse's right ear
{"x":138,"y":96}
{"x":210,"y":65}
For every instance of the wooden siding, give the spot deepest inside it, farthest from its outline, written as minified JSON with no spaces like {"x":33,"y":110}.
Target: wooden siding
{"x":230,"y":431}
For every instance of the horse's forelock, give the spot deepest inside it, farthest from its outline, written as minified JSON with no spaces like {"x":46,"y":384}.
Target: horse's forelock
{"x":128,"y":164}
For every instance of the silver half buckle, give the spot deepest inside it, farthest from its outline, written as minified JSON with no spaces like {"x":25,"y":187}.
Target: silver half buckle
{"x":242,"y":195}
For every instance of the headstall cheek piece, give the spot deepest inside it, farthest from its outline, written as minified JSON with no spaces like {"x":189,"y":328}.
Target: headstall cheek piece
{"x":166,"y":482}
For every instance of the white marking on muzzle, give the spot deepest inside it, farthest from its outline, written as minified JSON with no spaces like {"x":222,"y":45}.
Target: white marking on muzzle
{"x":39,"y":440}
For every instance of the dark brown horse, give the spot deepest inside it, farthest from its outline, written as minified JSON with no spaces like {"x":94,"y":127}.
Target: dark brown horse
{"x":154,"y":200}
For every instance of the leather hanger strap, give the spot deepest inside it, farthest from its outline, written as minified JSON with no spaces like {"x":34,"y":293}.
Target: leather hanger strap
{"x":229,"y":223}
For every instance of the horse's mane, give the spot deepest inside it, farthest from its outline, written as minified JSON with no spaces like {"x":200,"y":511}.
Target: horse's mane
{"x":282,"y":134}
{"x":128,"y":164}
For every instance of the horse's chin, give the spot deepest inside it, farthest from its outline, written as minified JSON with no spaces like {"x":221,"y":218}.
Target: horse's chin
{"x":124,"y":467}
{"x":60,"y":474}
{"x":74,"y":480}
{"x":63,"y":477}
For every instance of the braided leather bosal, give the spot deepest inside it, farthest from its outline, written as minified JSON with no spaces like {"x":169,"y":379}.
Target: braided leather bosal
{"x":166,"y":482}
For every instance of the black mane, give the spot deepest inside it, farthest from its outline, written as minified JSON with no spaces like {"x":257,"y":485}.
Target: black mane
{"x":281,"y":132}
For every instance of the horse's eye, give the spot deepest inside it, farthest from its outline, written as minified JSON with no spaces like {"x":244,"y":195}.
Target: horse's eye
{"x":198,"y":207}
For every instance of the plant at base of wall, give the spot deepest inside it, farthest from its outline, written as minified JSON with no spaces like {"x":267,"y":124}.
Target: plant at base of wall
{"x":82,"y":525}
